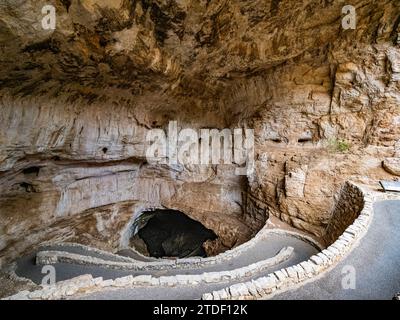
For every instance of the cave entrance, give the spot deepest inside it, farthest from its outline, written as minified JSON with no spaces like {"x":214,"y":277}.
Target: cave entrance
{"x":170,"y":233}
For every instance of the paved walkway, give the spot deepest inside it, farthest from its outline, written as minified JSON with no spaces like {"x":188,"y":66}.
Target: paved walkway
{"x":376,"y":262}
{"x":265,"y":249}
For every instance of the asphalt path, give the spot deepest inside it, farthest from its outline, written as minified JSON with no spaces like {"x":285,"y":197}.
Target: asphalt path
{"x":264,"y":249}
{"x":374,"y":263}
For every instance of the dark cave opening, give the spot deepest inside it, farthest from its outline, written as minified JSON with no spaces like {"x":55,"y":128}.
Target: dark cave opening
{"x":170,"y":233}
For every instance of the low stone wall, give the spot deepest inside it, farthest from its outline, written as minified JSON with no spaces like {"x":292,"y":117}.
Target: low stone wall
{"x":87,"y":284}
{"x":259,"y":288}
{"x":55,"y":256}
{"x":318,"y":264}
{"x":347,"y":209}
{"x":90,"y":250}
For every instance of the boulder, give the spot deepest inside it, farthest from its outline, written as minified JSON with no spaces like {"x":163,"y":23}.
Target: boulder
{"x":392,"y":165}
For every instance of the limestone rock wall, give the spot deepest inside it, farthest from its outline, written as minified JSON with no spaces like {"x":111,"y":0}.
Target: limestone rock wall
{"x":332,"y":115}
{"x":80,"y":174}
{"x":77,"y":102}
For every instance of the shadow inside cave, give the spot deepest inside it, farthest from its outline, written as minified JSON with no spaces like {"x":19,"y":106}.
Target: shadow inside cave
{"x":170,"y":233}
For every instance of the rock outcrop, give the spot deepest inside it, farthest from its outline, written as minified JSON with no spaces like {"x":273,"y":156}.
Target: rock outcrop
{"x":392,"y":165}
{"x":77,"y":102}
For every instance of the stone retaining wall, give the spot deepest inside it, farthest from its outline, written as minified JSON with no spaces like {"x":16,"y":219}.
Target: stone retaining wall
{"x":106,"y":254}
{"x":347,"y":209}
{"x":88,"y":284}
{"x":54,"y":256}
{"x":254,"y":289}
{"x":317,"y":264}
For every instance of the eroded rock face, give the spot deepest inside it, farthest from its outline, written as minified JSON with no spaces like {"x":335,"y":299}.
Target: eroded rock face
{"x":392,"y":165}
{"x":77,"y":102}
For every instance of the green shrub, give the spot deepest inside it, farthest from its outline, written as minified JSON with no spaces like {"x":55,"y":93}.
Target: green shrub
{"x":338,"y":145}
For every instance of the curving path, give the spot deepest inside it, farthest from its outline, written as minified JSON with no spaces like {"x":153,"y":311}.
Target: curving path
{"x":264,"y":249}
{"x":129,"y":253}
{"x":376,"y":261}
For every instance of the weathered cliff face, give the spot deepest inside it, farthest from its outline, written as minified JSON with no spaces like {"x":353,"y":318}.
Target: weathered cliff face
{"x":329,"y":121}
{"x":80,"y":174}
{"x":76,"y":104}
